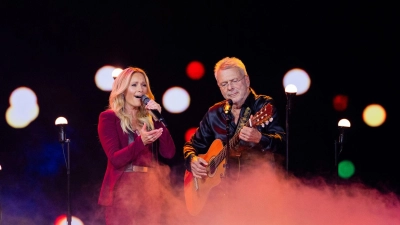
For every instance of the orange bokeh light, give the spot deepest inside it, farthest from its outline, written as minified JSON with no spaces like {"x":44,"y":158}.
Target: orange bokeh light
{"x":374,"y":115}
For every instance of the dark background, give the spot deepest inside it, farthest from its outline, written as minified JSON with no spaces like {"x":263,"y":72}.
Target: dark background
{"x":56,"y":48}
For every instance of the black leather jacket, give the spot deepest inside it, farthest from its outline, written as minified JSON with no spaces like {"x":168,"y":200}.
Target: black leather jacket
{"x":213,"y":126}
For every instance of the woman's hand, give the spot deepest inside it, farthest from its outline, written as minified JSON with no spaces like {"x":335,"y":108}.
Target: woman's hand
{"x":149,"y":137}
{"x":153,"y":105}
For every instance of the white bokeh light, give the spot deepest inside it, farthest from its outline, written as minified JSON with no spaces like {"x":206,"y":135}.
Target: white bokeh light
{"x":176,"y":100}
{"x":23,"y":108}
{"x":104,"y":78}
{"x":299,"y":78}
{"x":23,"y":96}
{"x":21,"y":117}
{"x":116,"y":72}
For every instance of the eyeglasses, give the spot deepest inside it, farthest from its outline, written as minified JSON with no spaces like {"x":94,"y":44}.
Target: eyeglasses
{"x":232,"y":82}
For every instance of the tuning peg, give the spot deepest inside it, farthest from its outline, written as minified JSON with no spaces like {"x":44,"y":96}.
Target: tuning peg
{"x":271,"y":119}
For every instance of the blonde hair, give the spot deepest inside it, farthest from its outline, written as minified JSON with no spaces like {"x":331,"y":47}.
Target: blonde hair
{"x":228,"y":63}
{"x":117,"y":101}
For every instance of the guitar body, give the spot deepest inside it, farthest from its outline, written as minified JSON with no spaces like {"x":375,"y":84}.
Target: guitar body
{"x":197,"y":190}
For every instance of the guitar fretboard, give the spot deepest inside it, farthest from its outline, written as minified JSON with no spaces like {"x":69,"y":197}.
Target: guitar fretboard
{"x":222,"y":154}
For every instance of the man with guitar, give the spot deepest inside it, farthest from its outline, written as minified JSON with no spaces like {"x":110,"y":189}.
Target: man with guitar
{"x":253,"y":128}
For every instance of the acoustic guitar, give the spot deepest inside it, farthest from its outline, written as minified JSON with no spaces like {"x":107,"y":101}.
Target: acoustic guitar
{"x":197,"y":190}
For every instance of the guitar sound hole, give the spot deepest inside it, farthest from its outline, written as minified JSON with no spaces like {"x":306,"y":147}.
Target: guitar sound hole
{"x":212,"y":169}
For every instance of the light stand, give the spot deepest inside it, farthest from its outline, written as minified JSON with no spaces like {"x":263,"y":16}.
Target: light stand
{"x":290,"y":91}
{"x":343,"y":124}
{"x":1,"y":210}
{"x":61,"y":122}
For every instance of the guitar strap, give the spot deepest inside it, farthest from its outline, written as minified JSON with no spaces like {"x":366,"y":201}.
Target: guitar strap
{"x":243,"y":120}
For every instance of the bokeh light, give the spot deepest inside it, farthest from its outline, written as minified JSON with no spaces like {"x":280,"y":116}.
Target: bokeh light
{"x":176,"y":100}
{"x":195,"y":70}
{"x":346,"y":169}
{"x":23,"y":97}
{"x":62,"y":220}
{"x":374,"y":115}
{"x":104,"y":78}
{"x":340,"y":102}
{"x":116,"y":72}
{"x":299,"y":78}
{"x":189,"y":133}
{"x":23,"y":108}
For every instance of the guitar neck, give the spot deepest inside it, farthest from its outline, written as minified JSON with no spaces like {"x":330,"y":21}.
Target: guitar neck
{"x":232,"y":143}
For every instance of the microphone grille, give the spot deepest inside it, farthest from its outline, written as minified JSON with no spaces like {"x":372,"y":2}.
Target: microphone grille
{"x":145,"y":99}
{"x":228,"y":106}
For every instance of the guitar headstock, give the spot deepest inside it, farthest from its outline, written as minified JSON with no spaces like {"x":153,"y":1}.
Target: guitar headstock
{"x":262,"y":117}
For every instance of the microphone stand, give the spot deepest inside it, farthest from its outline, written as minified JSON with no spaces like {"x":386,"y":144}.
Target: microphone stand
{"x":227,"y":119}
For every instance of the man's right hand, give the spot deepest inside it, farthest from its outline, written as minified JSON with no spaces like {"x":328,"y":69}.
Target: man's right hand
{"x":198,"y":166}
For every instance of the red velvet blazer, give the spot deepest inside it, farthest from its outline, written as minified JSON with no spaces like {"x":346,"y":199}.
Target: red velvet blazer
{"x":119,"y":153}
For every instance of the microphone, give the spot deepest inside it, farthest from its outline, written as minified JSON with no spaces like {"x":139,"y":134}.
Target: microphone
{"x":155,"y":112}
{"x":228,"y":106}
